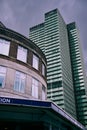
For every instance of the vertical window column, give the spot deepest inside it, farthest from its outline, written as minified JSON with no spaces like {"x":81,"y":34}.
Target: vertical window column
{"x":43,"y":92}
{"x":2,"y":76}
{"x":35,"y":62}
{"x":35,"y":84}
{"x":22,"y":54}
{"x":19,"y":84}
{"x":43,"y":70}
{"x":4,"y":47}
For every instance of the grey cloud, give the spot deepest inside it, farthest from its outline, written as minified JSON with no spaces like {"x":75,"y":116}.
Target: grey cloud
{"x":19,"y":15}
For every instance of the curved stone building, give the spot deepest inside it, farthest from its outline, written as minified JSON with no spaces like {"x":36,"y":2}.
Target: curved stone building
{"x":23,"y":100}
{"x":22,"y":67}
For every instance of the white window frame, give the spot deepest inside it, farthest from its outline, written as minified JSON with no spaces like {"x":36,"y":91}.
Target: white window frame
{"x":43,"y":69}
{"x":43,"y":93}
{"x":22,"y":54}
{"x":35,"y":84}
{"x":19,"y":84}
{"x":35,"y":62}
{"x":2,"y":75}
{"x":4,"y":47}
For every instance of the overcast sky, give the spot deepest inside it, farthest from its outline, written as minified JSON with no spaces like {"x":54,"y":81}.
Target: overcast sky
{"x":20,"y":15}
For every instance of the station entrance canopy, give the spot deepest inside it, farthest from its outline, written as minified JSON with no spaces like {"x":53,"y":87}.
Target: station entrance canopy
{"x":43,"y":115}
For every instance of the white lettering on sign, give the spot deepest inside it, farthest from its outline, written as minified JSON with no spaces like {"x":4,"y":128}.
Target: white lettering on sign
{"x":4,"y":100}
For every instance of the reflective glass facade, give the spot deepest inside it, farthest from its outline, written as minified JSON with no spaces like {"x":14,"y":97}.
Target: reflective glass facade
{"x":79,"y":76}
{"x":65,"y":66}
{"x":60,"y":87}
{"x":38,"y":36}
{"x":56,"y":48}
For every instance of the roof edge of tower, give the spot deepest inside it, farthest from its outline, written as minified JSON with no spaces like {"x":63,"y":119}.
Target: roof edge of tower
{"x":2,"y":25}
{"x":54,"y":10}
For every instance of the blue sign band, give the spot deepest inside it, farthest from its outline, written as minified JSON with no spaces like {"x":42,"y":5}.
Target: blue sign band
{"x":14,"y":101}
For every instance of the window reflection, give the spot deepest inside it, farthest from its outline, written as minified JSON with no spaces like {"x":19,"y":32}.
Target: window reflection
{"x":2,"y":76}
{"x":19,"y":84}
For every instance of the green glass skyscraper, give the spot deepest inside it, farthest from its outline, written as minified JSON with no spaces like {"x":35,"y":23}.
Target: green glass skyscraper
{"x":79,"y":77}
{"x":54,"y":37}
{"x":55,"y":45}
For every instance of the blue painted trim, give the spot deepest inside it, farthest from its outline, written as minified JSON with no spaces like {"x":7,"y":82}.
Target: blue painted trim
{"x":25,"y":102}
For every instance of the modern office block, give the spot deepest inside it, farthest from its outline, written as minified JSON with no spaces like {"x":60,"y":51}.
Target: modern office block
{"x":56,"y":46}
{"x":65,"y":65}
{"x":78,"y":70}
{"x":38,"y":36}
